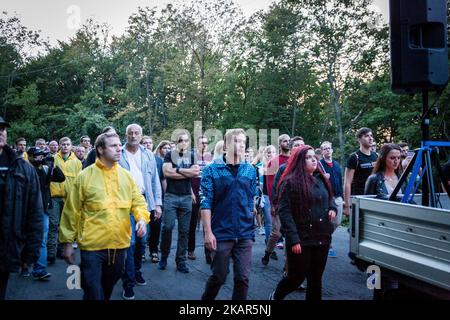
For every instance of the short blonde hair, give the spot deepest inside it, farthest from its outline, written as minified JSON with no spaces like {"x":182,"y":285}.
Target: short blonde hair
{"x":233,"y":133}
{"x":218,"y":149}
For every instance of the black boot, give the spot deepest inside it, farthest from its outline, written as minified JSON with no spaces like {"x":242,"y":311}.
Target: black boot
{"x":265,"y":259}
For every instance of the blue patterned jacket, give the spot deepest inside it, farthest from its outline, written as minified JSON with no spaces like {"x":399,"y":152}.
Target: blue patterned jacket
{"x":230,"y":200}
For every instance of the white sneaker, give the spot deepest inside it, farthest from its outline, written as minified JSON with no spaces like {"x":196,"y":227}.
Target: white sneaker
{"x":74,"y":245}
{"x":262,"y":232}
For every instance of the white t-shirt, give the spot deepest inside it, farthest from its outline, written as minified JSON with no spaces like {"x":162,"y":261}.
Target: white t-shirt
{"x":135,"y":161}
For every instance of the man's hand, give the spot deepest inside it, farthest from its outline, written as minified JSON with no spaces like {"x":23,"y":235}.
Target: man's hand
{"x":347,"y":211}
{"x":332,"y":214}
{"x":210,"y":241}
{"x":194,"y":199}
{"x":273,"y":212}
{"x":297,"y":249}
{"x":141,"y":228}
{"x":158,"y":212}
{"x":195,"y":171}
{"x":255,"y":211}
{"x":69,"y":254}
{"x":196,"y":168}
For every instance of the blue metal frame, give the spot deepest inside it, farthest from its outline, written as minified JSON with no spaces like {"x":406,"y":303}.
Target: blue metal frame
{"x":413,"y":184}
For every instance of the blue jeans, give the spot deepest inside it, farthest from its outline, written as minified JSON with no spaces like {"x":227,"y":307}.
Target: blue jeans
{"x":133,"y":261}
{"x":267,"y":217}
{"x":40,"y":266}
{"x":100,"y":271}
{"x":176,"y":207}
{"x":241,"y":253}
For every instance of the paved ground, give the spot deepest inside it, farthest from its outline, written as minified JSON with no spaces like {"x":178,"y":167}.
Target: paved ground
{"x":341,"y":280}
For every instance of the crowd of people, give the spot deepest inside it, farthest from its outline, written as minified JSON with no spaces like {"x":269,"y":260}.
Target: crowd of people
{"x":113,"y":200}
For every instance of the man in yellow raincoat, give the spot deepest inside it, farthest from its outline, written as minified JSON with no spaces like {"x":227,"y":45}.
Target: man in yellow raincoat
{"x":96,"y":213}
{"x":66,"y":160}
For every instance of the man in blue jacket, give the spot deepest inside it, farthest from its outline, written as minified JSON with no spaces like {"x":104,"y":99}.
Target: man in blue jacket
{"x":228,"y":190}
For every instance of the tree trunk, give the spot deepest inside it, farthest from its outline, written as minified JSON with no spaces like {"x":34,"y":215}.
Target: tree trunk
{"x":334,"y":97}
{"x":294,"y":116}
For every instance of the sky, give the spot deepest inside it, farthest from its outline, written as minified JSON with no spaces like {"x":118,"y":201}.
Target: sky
{"x":58,"y":19}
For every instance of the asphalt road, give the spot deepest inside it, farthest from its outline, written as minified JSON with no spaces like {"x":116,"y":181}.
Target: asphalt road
{"x":341,"y":280}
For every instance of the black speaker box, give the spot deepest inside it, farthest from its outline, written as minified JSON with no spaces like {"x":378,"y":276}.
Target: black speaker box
{"x":418,"y":40}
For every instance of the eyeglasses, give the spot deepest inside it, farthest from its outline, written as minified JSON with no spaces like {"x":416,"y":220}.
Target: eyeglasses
{"x":205,"y":142}
{"x":183,"y":140}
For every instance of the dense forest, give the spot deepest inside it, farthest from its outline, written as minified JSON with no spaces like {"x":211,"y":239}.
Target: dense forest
{"x":315,"y":68}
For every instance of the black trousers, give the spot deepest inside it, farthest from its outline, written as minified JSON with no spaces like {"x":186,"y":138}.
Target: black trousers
{"x":310,"y":264}
{"x":155,"y":231}
{"x":4,"y":276}
{"x":193,"y":224}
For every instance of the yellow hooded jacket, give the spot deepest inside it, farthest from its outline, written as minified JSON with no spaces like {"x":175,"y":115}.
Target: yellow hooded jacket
{"x":71,"y":168}
{"x":97,"y":209}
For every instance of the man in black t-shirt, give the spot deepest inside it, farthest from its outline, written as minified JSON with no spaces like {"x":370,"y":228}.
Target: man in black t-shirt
{"x":359,"y":167}
{"x":179,"y":167}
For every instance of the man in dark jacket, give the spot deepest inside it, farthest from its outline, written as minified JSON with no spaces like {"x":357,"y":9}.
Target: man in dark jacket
{"x":47,"y":173}
{"x":333,"y":172}
{"x":228,"y":191}
{"x":21,"y":211}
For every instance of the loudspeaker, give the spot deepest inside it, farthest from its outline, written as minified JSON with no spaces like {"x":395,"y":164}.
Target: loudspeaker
{"x":418,"y":43}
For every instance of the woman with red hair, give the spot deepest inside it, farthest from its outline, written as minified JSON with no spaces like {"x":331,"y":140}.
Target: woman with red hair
{"x":306,"y":207}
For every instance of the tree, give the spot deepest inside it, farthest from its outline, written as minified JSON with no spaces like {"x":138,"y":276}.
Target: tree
{"x":345,"y":46}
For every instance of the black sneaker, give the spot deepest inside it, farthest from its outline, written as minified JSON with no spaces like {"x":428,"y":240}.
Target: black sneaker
{"x":162,"y":263}
{"x":128,"y":294}
{"x":42,"y":276}
{"x":265,"y":259}
{"x":154,"y":257}
{"x":273,"y":256}
{"x":302,"y":287}
{"x":140,"y":281}
{"x":183,"y":268}
{"x":24,"y":273}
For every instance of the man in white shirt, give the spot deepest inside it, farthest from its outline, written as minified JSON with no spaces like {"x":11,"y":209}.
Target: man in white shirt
{"x":142,"y":165}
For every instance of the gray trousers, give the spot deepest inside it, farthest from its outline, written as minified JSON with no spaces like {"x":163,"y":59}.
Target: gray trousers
{"x":53,"y":227}
{"x":176,"y":207}
{"x":275,"y":234}
{"x":241,"y":253}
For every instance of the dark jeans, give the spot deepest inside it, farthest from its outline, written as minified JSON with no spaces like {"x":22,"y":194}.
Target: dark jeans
{"x":193,"y":224}
{"x":176,"y":207}
{"x":133,"y":261}
{"x":310,"y":264}
{"x":155,"y":231}
{"x":241,"y":253}
{"x":4,"y":276}
{"x":100,"y":271}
